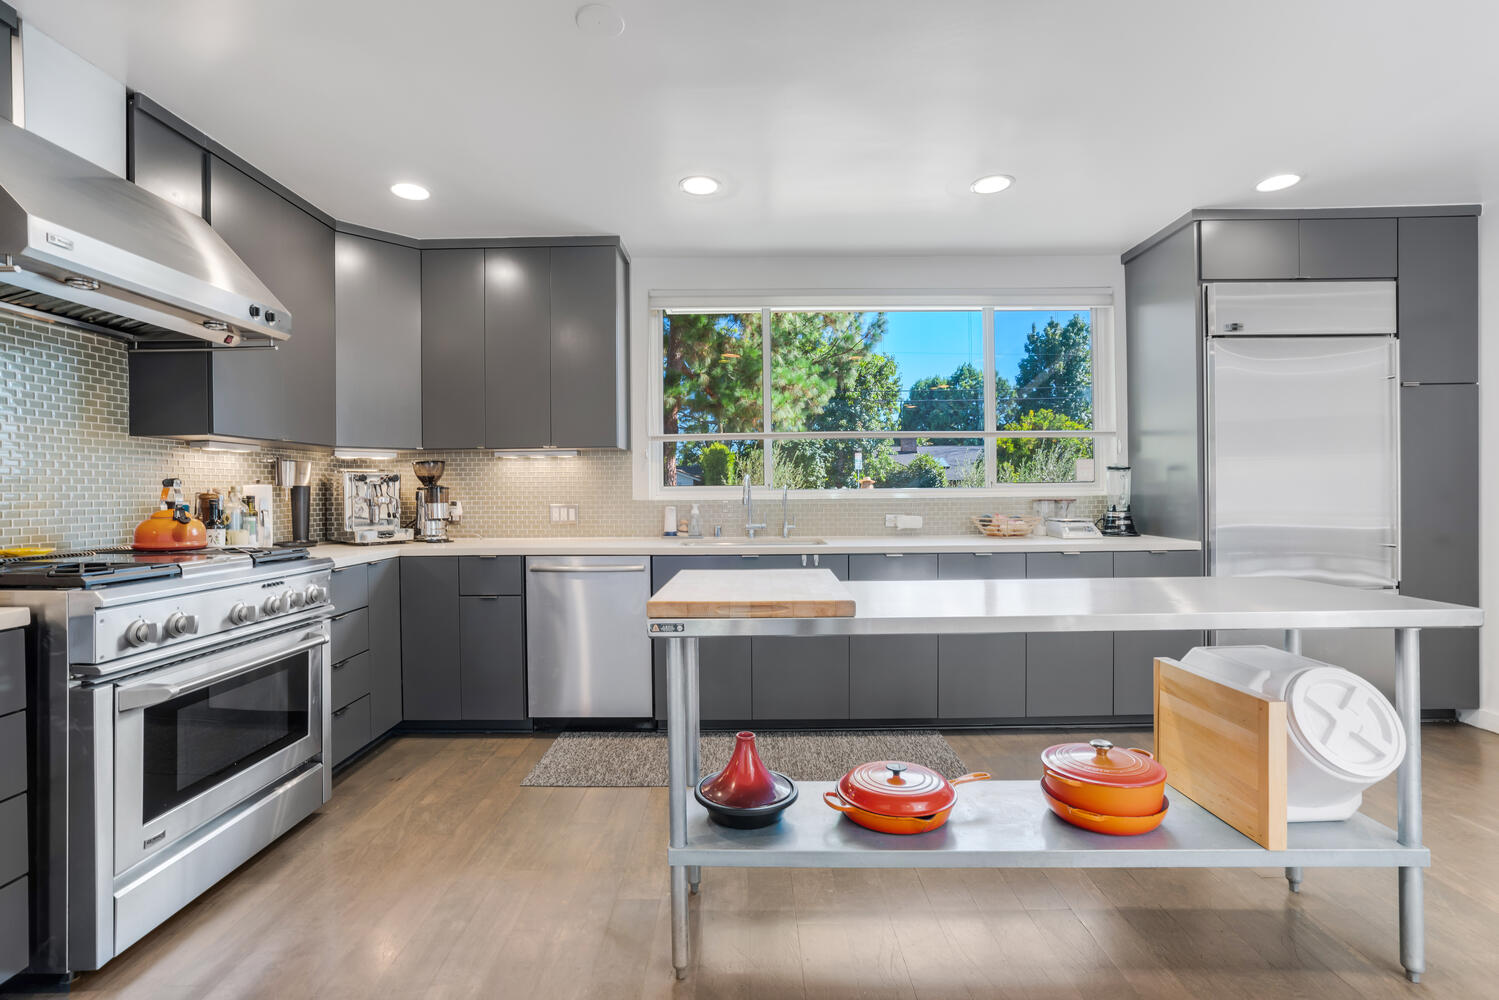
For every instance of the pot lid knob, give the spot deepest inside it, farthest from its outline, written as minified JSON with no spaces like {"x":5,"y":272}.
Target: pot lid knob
{"x":1101,"y":748}
{"x":895,"y":767}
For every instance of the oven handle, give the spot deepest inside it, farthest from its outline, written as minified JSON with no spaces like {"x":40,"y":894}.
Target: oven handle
{"x":147,"y":694}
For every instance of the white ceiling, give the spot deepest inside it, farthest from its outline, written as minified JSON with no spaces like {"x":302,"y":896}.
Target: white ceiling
{"x":836,"y":125}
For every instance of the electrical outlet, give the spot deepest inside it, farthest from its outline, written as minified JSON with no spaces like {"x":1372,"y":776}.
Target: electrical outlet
{"x":564,"y":513}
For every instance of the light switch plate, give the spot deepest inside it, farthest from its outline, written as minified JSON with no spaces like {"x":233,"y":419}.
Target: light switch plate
{"x":564,"y":513}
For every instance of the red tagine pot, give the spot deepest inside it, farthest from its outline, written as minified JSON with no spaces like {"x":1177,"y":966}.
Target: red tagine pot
{"x":745,"y":782}
{"x":892,"y":796}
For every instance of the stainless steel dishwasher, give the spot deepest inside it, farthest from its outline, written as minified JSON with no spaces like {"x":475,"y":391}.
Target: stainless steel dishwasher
{"x":587,"y":654}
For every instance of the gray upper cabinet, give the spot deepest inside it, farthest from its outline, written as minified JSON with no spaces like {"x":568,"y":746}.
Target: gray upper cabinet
{"x":1347,"y":248}
{"x":1249,"y":249}
{"x":1438,"y":311}
{"x":165,"y":162}
{"x":589,"y":359}
{"x":379,"y":347}
{"x":518,"y":348}
{"x":453,"y":372}
{"x":286,"y":394}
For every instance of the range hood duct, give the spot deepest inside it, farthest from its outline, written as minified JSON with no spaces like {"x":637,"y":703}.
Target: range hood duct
{"x":79,"y":244}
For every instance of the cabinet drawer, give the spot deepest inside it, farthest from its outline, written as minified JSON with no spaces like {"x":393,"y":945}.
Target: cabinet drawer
{"x":1157,"y":563}
{"x":1057,"y":565}
{"x":350,"y":588}
{"x":893,"y":566}
{"x":351,"y":634}
{"x":486,"y":576}
{"x":12,"y":671}
{"x":13,"y":840}
{"x":15,"y":928}
{"x":351,"y":729}
{"x":981,"y":566}
{"x":351,"y":679}
{"x":12,"y":754}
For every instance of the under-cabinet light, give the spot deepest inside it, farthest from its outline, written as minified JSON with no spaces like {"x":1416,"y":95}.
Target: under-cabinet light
{"x":235,"y":446}
{"x":537,"y":453}
{"x":369,"y":453}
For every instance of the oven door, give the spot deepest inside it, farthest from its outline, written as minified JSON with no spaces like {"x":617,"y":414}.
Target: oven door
{"x":194,"y":739}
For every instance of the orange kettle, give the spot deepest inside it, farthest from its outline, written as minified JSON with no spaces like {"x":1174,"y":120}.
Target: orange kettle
{"x":172,"y":528}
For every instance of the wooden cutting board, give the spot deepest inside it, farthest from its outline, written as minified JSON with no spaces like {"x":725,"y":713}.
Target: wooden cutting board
{"x":761,"y":593}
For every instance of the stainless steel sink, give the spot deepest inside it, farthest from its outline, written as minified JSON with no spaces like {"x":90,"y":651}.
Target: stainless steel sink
{"x":768,"y":542}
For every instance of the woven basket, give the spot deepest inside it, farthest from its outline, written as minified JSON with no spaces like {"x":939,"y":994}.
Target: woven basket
{"x":1005,"y":526}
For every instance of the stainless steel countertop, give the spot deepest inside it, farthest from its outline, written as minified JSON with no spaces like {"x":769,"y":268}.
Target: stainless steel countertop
{"x":1093,"y":605}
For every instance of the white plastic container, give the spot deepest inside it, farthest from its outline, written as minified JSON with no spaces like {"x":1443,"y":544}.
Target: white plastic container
{"x":1343,"y":735}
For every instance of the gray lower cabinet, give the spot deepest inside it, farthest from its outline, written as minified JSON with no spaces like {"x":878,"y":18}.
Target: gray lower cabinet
{"x":1053,"y":565}
{"x":349,"y":588}
{"x":453,"y":362}
{"x":378,"y":311}
{"x":351,"y":728}
{"x":1249,"y":249}
{"x":487,"y":576}
{"x":981,"y":676}
{"x":351,"y":634}
{"x":431,"y":689}
{"x":981,"y":566}
{"x":1069,"y":674}
{"x":385,"y":645}
{"x":1438,"y":310}
{"x":1134,"y":666}
{"x":892,"y":677}
{"x":1439,"y":522}
{"x":492,"y":658}
{"x":12,"y":666}
{"x":518,"y":347}
{"x":15,"y":927}
{"x":351,"y":679}
{"x":893,"y":566}
{"x":799,"y":678}
{"x":1135,"y":564}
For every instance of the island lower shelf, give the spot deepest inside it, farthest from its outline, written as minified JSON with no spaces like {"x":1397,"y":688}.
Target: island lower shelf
{"x":1007,"y":824}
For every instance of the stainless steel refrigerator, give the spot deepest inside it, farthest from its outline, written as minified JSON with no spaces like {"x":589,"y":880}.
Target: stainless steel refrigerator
{"x":1302,"y":440}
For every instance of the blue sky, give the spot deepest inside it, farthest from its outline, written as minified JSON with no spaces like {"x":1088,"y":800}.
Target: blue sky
{"x":933,"y":343}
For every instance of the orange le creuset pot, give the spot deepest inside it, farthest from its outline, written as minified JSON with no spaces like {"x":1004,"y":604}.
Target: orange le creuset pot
{"x":891,"y":796}
{"x":1117,"y":826}
{"x":1099,"y":777}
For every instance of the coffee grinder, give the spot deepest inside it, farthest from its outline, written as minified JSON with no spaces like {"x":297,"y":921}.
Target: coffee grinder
{"x":434,"y":511}
{"x":1118,"y":520}
{"x":296,"y":477}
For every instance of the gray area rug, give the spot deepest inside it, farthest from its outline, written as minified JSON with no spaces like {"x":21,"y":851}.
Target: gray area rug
{"x":625,"y":760}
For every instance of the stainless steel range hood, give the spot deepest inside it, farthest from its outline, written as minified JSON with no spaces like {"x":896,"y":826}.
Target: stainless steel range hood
{"x":80,"y":244}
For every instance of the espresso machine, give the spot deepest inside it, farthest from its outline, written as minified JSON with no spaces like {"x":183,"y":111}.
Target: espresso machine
{"x":434,"y":511}
{"x":1118,"y":520}
{"x":372,"y":507}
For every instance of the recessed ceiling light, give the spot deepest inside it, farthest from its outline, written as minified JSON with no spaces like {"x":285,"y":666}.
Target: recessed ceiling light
{"x":599,"y":19}
{"x":1278,"y":183}
{"x":409,"y":191}
{"x":992,"y":184}
{"x":698,"y":184}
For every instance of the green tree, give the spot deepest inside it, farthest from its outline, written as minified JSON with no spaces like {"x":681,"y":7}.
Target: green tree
{"x":712,"y":369}
{"x":1056,"y":371}
{"x":718,"y":465}
{"x":924,"y":472}
{"x":1041,"y":460}
{"x":946,"y":403}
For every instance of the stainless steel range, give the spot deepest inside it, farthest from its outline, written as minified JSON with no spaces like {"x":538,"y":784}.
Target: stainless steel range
{"x":180,"y":726}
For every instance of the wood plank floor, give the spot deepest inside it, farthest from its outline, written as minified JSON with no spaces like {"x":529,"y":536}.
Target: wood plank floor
{"x":433,"y":874}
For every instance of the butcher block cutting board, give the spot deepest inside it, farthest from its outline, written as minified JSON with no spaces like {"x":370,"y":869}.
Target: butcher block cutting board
{"x":761,"y":593}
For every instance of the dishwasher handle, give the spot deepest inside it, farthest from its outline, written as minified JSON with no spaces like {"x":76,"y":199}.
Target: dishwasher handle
{"x":544,"y":568}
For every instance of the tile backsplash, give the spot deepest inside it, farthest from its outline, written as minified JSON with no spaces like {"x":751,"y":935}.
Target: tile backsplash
{"x":71,"y":475}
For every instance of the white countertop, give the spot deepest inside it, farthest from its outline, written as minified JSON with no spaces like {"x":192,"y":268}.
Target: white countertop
{"x":353,"y":555}
{"x":14,"y":618}
{"x":912,"y":607}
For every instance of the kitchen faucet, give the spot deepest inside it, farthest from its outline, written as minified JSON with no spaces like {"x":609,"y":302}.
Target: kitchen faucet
{"x":750,"y":527}
{"x":786,"y":523}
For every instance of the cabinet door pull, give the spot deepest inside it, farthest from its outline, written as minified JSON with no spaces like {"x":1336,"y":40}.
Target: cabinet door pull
{"x":489,"y":597}
{"x":982,"y":555}
{"x":894,"y":555}
{"x":341,"y":711}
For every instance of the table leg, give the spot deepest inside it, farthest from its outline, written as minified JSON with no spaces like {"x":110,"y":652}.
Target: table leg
{"x":677,"y":725}
{"x":1408,"y":826}
{"x":1293,"y":877}
{"x":1292,"y":641}
{"x":694,"y":740}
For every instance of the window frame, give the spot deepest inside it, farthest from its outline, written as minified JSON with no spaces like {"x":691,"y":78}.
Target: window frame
{"x":1105,"y":433}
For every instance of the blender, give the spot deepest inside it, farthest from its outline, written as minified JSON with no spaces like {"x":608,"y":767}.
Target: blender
{"x":1118,"y":520}
{"x":434,"y":512}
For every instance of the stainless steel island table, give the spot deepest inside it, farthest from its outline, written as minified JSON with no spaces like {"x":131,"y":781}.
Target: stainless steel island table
{"x":1006,"y":823}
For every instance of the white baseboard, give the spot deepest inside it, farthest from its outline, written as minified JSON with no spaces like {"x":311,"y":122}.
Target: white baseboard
{"x":1483,"y":718}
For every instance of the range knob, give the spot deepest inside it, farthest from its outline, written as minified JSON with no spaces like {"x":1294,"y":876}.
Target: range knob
{"x":276,"y":604}
{"x":294,"y":598}
{"x":140,"y":632}
{"x":179,"y":624}
{"x":241,"y":614}
{"x":316,"y":594}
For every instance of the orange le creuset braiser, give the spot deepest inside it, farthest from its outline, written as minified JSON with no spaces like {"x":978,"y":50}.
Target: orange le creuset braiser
{"x":892,"y":796}
{"x":1099,"y":777}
